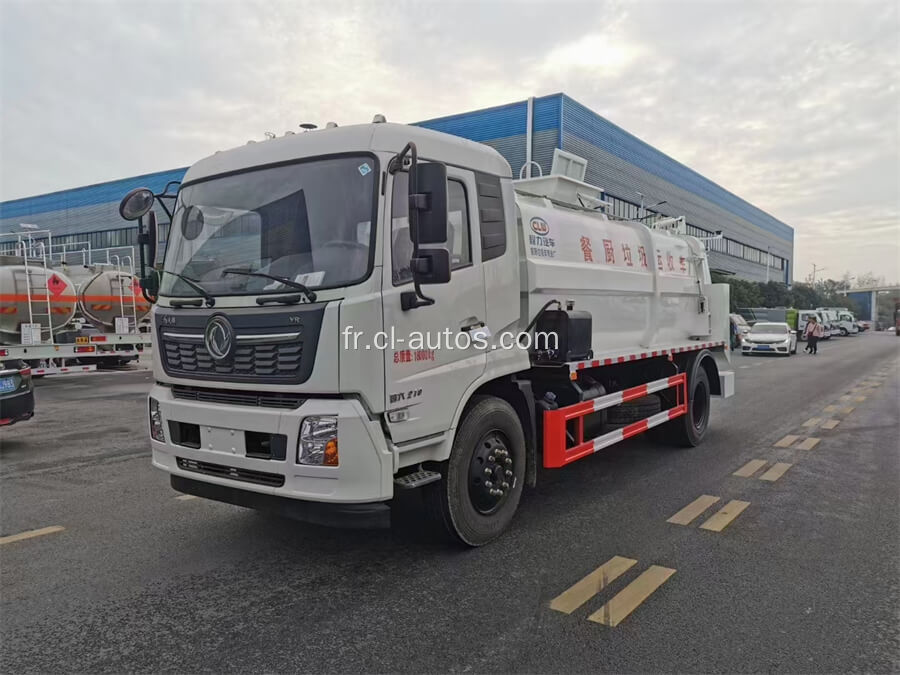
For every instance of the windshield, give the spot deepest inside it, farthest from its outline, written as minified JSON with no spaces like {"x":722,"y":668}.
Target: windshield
{"x":777,"y":328}
{"x":309,"y":222}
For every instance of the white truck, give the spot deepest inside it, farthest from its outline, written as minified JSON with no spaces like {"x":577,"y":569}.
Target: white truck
{"x":354,"y":311}
{"x":842,"y":320}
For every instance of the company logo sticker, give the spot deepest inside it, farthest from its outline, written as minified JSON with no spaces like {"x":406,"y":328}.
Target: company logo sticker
{"x":364,"y":169}
{"x":540,"y":226}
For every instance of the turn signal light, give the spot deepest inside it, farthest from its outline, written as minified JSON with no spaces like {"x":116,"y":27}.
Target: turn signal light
{"x":331,"y":453}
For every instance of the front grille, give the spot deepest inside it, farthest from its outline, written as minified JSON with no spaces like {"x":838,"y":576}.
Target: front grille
{"x":271,"y":361}
{"x":229,"y":397}
{"x":230,"y":472}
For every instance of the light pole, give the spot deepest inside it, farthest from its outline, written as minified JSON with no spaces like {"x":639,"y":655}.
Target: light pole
{"x":816,"y":269}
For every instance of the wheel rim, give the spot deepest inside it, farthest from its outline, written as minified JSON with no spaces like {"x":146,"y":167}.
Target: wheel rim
{"x":491,"y":473}
{"x":699,"y":406}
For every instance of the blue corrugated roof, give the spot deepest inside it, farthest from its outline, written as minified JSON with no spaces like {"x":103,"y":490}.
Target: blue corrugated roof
{"x":89,"y":195}
{"x":500,"y":121}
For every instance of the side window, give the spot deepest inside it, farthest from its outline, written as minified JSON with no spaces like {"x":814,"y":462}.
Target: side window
{"x":458,"y":231}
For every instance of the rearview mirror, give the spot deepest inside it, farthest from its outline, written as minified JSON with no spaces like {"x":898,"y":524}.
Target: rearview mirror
{"x":136,"y":204}
{"x":430,"y":203}
{"x":431,"y":266}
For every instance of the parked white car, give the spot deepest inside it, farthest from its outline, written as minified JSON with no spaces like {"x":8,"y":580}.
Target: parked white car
{"x":767,"y":337}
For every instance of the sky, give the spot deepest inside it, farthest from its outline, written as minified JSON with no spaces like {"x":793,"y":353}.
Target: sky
{"x":794,"y":106}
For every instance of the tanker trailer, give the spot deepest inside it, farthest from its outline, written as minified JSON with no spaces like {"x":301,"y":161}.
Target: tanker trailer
{"x":109,"y":295}
{"x":34,"y":294}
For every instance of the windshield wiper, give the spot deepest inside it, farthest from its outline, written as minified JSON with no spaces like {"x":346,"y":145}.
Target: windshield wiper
{"x":288,"y":299}
{"x":310,"y":295}
{"x":210,"y":300}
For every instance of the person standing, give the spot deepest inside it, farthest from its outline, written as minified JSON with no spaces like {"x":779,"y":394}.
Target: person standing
{"x":812,"y":333}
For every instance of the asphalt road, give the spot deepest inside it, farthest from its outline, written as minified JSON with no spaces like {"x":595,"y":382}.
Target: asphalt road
{"x":805,"y":578}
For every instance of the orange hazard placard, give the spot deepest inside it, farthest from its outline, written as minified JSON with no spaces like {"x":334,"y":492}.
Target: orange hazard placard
{"x":56,"y":285}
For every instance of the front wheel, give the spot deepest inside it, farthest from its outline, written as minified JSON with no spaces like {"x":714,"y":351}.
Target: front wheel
{"x":482,"y":481}
{"x":844,"y":332}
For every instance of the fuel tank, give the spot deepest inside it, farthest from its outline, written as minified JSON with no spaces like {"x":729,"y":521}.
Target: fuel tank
{"x":108,"y":294}
{"x":15,"y":281}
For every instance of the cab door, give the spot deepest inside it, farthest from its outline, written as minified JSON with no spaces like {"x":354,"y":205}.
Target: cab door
{"x":432,"y":359}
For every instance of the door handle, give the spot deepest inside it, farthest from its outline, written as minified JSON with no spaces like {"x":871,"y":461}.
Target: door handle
{"x":472,"y":326}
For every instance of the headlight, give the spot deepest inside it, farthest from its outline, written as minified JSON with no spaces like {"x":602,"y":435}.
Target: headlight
{"x":156,"y":424}
{"x":318,"y":441}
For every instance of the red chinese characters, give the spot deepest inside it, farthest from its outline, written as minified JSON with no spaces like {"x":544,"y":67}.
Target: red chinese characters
{"x":610,"y":252}
{"x":683,"y":263}
{"x":642,"y":256}
{"x":626,"y":254}
{"x":586,"y":249}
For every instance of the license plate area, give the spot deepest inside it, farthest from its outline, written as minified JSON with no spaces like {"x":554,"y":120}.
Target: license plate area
{"x":763,"y":348}
{"x":7,"y":384}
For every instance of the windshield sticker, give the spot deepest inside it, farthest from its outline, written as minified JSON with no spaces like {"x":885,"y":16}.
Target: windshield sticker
{"x":310,"y":279}
{"x":364,"y":169}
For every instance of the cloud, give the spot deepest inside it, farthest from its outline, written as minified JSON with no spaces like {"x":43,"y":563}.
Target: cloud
{"x":792,"y":106}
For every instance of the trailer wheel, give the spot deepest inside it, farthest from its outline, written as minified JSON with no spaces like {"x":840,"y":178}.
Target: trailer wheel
{"x":689,"y":430}
{"x":482,"y":481}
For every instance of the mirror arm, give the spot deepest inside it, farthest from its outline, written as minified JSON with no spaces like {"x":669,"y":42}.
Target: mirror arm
{"x":416,"y":201}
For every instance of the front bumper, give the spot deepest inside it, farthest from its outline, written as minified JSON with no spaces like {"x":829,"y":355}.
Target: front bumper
{"x":765,"y":349}
{"x":364,"y":474}
{"x":16,"y":407}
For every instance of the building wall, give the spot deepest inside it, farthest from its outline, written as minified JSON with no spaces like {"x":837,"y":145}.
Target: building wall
{"x":618,"y":162}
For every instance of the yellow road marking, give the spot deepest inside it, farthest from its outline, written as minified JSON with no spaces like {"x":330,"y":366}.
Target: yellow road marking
{"x":808,"y":444}
{"x":831,"y":408}
{"x":846,"y":398}
{"x":830,"y":424}
{"x":776,"y":472}
{"x":786,"y":441}
{"x":723,"y":517}
{"x":692,"y":510}
{"x":578,"y":594}
{"x":30,"y":534}
{"x":629,"y":598}
{"x":184,"y":498}
{"x":811,"y":422}
{"x":750,"y":468}
{"x":848,"y":410}
{"x":860,"y":399}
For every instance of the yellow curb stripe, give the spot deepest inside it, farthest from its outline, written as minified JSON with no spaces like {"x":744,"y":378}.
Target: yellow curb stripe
{"x":847,"y":411}
{"x":723,"y":517}
{"x":831,"y":408}
{"x":30,"y":534}
{"x":578,"y":594}
{"x":811,"y":422}
{"x":184,"y":498}
{"x":776,"y":472}
{"x":786,"y":441}
{"x":860,"y":399}
{"x":846,"y":398}
{"x":692,"y":510}
{"x":808,"y":444}
{"x":750,"y":468}
{"x":630,"y":598}
{"x":830,"y":424}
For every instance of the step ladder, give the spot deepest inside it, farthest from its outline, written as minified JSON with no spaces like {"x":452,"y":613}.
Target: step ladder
{"x":31,"y":288}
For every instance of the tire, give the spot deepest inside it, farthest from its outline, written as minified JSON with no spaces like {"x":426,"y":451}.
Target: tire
{"x":689,"y":430}
{"x":844,"y":332}
{"x":460,"y":503}
{"x":633,"y":411}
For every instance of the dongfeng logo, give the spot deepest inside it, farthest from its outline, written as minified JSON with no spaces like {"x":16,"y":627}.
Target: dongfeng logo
{"x":219,"y":338}
{"x":540,"y":226}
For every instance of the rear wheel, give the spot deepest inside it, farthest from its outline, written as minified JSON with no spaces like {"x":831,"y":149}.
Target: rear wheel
{"x":482,"y":481}
{"x":689,"y":430}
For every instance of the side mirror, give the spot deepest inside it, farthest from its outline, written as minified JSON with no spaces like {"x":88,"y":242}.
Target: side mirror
{"x":428,"y":198}
{"x":136,"y":204}
{"x":431,"y":266}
